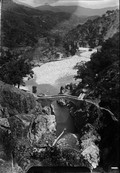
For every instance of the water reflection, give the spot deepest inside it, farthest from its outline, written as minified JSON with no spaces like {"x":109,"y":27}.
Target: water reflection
{"x":63,"y":118}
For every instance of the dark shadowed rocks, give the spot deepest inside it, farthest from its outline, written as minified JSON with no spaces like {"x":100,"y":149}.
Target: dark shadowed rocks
{"x":23,"y":126}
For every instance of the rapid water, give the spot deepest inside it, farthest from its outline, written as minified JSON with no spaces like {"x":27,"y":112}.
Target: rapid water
{"x":52,"y":75}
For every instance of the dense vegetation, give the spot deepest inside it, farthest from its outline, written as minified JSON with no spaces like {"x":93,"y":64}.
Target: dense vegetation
{"x":15,"y":65}
{"x":94,"y":124}
{"x":44,"y":30}
{"x":24,"y":26}
{"x":93,"y":32}
{"x":100,"y":81}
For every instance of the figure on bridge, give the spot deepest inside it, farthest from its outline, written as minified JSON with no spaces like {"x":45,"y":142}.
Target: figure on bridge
{"x":61,"y":90}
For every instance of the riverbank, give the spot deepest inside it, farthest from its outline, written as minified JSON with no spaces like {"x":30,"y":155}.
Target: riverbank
{"x":80,"y":51}
{"x":50,"y":76}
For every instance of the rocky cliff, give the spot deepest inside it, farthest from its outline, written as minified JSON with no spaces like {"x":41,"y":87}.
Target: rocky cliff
{"x":28,"y":136}
{"x":23,"y":126}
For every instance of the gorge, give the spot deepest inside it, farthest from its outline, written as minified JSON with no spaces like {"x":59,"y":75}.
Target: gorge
{"x":72,"y":118}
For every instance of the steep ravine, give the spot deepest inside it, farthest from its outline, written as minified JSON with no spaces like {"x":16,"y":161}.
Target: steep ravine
{"x":29,"y":138}
{"x":30,"y":130}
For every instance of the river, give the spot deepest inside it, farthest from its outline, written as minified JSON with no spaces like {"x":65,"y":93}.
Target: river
{"x":48,"y":79}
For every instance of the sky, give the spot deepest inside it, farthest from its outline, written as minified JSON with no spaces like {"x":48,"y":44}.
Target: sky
{"x":84,"y":3}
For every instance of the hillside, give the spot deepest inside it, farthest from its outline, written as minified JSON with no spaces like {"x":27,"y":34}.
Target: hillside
{"x":64,"y":27}
{"x":23,"y":26}
{"x":94,"y":32}
{"x":77,"y":10}
{"x":72,"y":9}
{"x":28,"y":123}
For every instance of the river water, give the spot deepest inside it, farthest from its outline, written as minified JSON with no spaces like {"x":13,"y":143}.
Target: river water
{"x":48,"y":79}
{"x":52,"y":75}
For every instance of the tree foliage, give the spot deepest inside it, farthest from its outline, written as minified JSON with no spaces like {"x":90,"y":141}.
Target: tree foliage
{"x":14,"y":66}
{"x":100,"y":78}
{"x":92,"y":71}
{"x":93,"y":32}
{"x":100,"y":75}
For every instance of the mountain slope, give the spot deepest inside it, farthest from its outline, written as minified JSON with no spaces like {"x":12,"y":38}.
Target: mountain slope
{"x":49,"y":8}
{"x":81,"y":11}
{"x":77,"y":10}
{"x":94,"y":32}
{"x":23,"y":25}
{"x":64,"y":27}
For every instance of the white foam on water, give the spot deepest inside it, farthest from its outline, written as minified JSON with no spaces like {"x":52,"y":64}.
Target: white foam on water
{"x":50,"y":72}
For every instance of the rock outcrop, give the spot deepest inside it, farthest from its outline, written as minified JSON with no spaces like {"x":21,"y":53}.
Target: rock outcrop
{"x":28,"y":133}
{"x":43,"y":130}
{"x":15,"y":100}
{"x":70,"y":147}
{"x":90,"y":151}
{"x":86,"y":126}
{"x":24,"y":125}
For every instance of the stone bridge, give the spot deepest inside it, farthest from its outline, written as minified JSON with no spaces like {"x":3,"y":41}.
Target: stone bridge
{"x":48,"y":99}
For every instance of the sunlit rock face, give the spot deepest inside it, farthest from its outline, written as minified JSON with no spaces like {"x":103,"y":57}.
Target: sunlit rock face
{"x":69,"y":140}
{"x":43,"y":130}
{"x":80,"y":151}
{"x":69,"y":145}
{"x":90,"y":151}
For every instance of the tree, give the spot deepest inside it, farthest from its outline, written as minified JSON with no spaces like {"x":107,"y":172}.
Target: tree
{"x":91,"y":71}
{"x":100,"y":76}
{"x":14,"y":66}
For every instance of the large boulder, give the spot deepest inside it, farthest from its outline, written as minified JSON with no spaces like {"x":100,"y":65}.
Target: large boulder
{"x":70,"y":148}
{"x":16,"y":101}
{"x":30,"y":132}
{"x":43,"y":130}
{"x":69,"y":140}
{"x":80,"y":151}
{"x":89,"y":150}
{"x":5,"y":163}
